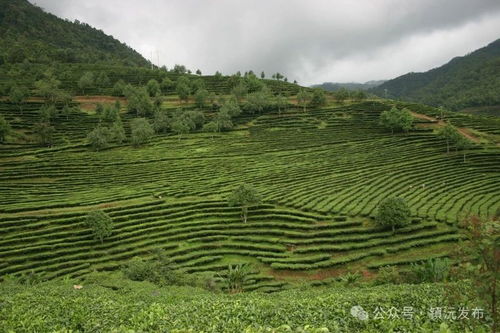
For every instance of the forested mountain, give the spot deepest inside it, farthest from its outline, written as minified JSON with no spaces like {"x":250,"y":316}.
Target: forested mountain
{"x":335,"y":86}
{"x":27,"y":33}
{"x":471,"y":80}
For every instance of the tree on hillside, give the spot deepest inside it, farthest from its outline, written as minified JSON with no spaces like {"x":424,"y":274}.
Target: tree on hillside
{"x":117,"y":132}
{"x":281,"y":103}
{"x":141,"y":131}
{"x":211,"y":127}
{"x":393,"y":212}
{"x":139,"y":101}
{"x":318,"y":98}
{"x":240,"y":91}
{"x":44,"y":133}
{"x":341,"y":95}
{"x":463,"y":144}
{"x":182,"y":88}
{"x":303,"y":98}
{"x":153,"y":88}
{"x":396,"y":120}
{"x":200,"y":97}
{"x":119,"y":88}
{"x":48,"y":88}
{"x":99,"y":138}
{"x":198,"y":72}
{"x":359,"y":95}
{"x":18,"y":96}
{"x":4,"y":128}
{"x":450,"y":134}
{"x":223,"y":121}
{"x":102,"y":81}
{"x":161,"y":122}
{"x":262,"y":75}
{"x":231,"y":107}
{"x":100,"y":223}
{"x":167,"y":85}
{"x":86,"y":81}
{"x":47,"y":112}
{"x":180,"y":126}
{"x":258,"y":101}
{"x":244,"y":196}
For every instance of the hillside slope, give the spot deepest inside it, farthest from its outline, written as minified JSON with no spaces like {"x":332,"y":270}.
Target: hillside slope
{"x":335,"y":86}
{"x":471,"y":80}
{"x":27,"y":33}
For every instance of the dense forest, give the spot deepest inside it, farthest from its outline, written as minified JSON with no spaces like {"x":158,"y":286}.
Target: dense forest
{"x":468,"y":81}
{"x":28,"y":34}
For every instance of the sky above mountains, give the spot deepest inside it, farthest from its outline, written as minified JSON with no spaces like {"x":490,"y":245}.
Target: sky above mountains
{"x":309,"y":41}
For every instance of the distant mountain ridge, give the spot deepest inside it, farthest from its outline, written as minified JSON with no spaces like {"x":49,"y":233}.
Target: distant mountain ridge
{"x":27,"y":33}
{"x":334,"y":86}
{"x":472,"y":80}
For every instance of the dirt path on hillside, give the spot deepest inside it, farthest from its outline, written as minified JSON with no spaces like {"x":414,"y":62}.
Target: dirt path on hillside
{"x":440,"y":123}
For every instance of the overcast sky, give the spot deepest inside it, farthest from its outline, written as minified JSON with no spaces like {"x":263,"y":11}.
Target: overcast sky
{"x":312,"y":41}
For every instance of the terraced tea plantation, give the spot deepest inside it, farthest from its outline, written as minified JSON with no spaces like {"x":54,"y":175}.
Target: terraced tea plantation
{"x":321,"y":175}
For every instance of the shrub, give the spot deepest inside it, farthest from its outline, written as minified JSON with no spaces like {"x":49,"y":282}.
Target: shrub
{"x":100,"y":223}
{"x":432,"y":270}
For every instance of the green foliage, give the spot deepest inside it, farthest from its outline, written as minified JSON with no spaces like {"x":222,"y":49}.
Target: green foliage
{"x":4,"y":128}
{"x":44,"y":133}
{"x":139,"y":101}
{"x":86,"y":81}
{"x":235,"y":277}
{"x":467,"y":81}
{"x":167,"y":85}
{"x":18,"y":96}
{"x":200,"y":97}
{"x":30,"y":35}
{"x":161,"y":122}
{"x":141,"y":131}
{"x":119,"y":88}
{"x":432,"y":270}
{"x":393,"y":212}
{"x":388,"y":274}
{"x":244,"y":196}
{"x":211,"y":127}
{"x":99,"y":138}
{"x":258,"y":101}
{"x":341,"y":95}
{"x":153,"y":88}
{"x":281,"y":102}
{"x":396,"y":120}
{"x":303,"y":98}
{"x":118,"y":132}
{"x":100,"y":223}
{"x":350,"y":278}
{"x":318,"y":98}
{"x":231,"y":107}
{"x":450,"y":134}
{"x":240,"y":91}
{"x":223,"y":121}
{"x":183,"y":88}
{"x":482,"y":247}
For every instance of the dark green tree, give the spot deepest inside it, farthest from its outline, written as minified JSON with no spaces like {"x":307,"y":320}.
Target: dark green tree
{"x":99,"y":138}
{"x":393,"y":212}
{"x":153,"y":88}
{"x":396,"y":120}
{"x":100,"y":223}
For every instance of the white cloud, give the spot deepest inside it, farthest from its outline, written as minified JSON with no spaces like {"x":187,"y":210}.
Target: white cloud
{"x":311,"y":41}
